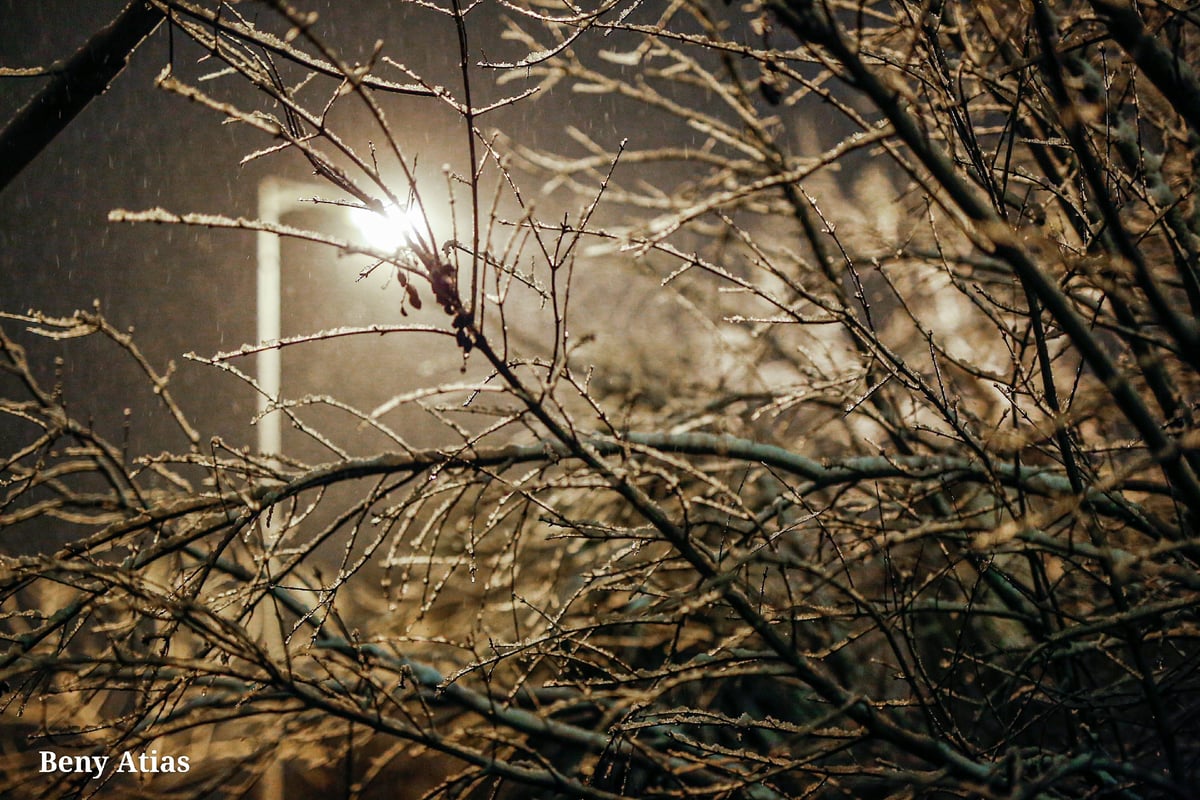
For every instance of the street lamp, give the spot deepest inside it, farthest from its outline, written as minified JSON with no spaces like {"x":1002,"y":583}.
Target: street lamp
{"x":387,"y":231}
{"x":277,"y":197}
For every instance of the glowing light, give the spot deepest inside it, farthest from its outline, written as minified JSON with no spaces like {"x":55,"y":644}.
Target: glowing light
{"x":393,"y":228}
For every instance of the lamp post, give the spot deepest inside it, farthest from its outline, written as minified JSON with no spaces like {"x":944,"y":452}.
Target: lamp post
{"x":278,"y":197}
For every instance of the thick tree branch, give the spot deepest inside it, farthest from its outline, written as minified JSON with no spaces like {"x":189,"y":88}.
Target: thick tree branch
{"x":83,"y":78}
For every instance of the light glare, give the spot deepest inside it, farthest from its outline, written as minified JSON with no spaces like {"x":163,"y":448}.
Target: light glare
{"x":393,"y":228}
